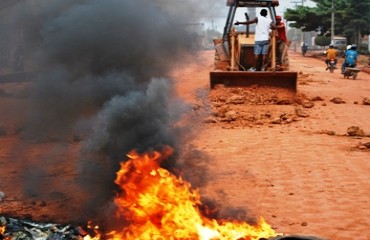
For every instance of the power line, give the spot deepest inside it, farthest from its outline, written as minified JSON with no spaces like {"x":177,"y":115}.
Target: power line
{"x":296,"y":2}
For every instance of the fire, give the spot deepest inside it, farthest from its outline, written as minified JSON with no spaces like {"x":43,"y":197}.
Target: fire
{"x":2,"y":233}
{"x":96,"y":230}
{"x":159,"y":205}
{"x":2,"y":230}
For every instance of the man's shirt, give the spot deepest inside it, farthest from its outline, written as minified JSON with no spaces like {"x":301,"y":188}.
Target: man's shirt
{"x":331,"y":53}
{"x":351,"y":57}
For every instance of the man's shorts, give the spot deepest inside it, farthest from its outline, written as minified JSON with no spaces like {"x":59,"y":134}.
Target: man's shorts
{"x":260,"y":47}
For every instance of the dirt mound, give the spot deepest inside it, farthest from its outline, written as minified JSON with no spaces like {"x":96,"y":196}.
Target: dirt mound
{"x":240,"y":107}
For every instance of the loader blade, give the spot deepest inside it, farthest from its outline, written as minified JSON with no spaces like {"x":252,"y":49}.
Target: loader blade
{"x":286,"y":80}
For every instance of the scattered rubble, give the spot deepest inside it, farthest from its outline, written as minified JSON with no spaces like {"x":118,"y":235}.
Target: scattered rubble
{"x":364,"y":146}
{"x":328,"y":132}
{"x":367,"y":144}
{"x":366,"y":101}
{"x":337,"y":100}
{"x":317,"y":98}
{"x":301,"y":113}
{"x":308,"y":104}
{"x":355,"y":131}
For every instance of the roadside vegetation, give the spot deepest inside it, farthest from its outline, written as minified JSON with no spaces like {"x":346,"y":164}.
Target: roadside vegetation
{"x":352,"y":18}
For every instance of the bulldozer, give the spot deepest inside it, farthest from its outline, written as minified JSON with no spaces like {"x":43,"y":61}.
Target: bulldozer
{"x":234,"y":53}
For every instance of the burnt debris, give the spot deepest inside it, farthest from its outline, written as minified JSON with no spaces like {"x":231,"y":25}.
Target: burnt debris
{"x":12,"y":228}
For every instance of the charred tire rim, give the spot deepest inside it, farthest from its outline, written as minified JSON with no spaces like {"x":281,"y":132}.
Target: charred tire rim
{"x":293,"y":237}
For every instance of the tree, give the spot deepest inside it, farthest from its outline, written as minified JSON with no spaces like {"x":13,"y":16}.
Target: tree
{"x":356,"y":16}
{"x":352,"y":18}
{"x":322,"y":41}
{"x":304,"y":18}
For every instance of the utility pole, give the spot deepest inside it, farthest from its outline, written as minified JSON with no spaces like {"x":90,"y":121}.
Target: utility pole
{"x":332,"y":21}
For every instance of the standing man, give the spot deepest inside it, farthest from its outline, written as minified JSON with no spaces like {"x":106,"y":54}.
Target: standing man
{"x":281,"y":39}
{"x":261,"y":38}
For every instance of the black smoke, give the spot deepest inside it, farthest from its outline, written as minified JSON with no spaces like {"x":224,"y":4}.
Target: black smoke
{"x":91,"y":51}
{"x":102,"y":79}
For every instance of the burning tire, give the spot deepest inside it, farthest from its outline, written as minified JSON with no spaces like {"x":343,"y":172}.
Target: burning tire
{"x":295,"y":238}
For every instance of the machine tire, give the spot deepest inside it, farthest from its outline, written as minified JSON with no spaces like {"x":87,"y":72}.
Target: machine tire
{"x":354,"y":75}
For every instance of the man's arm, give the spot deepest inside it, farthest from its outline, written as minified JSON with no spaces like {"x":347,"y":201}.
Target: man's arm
{"x":273,"y":26}
{"x":247,"y":22}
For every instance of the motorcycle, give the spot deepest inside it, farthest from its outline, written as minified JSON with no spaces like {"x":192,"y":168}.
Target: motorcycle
{"x":331,"y":65}
{"x":350,"y":72}
{"x":304,"y":50}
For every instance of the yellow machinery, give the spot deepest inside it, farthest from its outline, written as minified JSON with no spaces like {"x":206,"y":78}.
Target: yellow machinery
{"x":234,"y":54}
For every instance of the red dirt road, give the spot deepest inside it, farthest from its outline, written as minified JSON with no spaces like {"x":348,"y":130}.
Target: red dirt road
{"x":306,"y":177}
{"x":301,"y":180}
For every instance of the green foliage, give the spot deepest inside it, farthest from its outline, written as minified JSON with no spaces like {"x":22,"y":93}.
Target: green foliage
{"x":322,"y":41}
{"x":304,"y":18}
{"x":351,"y":18}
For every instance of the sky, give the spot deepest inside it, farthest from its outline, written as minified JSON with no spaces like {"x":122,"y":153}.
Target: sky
{"x":217,"y":20}
{"x":284,"y":4}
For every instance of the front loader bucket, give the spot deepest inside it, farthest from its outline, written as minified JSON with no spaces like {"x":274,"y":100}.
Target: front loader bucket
{"x":286,"y":80}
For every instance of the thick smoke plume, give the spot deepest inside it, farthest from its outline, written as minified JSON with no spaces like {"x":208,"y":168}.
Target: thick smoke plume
{"x":103,"y":70}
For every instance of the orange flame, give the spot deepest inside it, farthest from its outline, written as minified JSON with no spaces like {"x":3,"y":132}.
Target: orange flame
{"x":2,"y":233}
{"x":158,"y":205}
{"x":96,"y":230}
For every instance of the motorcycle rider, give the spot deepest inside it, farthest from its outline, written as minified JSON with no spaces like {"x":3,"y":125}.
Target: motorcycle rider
{"x":331,"y":53}
{"x":351,"y":57}
{"x":343,"y":56}
{"x":304,"y":48}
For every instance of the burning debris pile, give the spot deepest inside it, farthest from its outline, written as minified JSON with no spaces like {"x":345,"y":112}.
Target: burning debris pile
{"x":11,"y":229}
{"x":151,"y":203}
{"x":158,"y":205}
